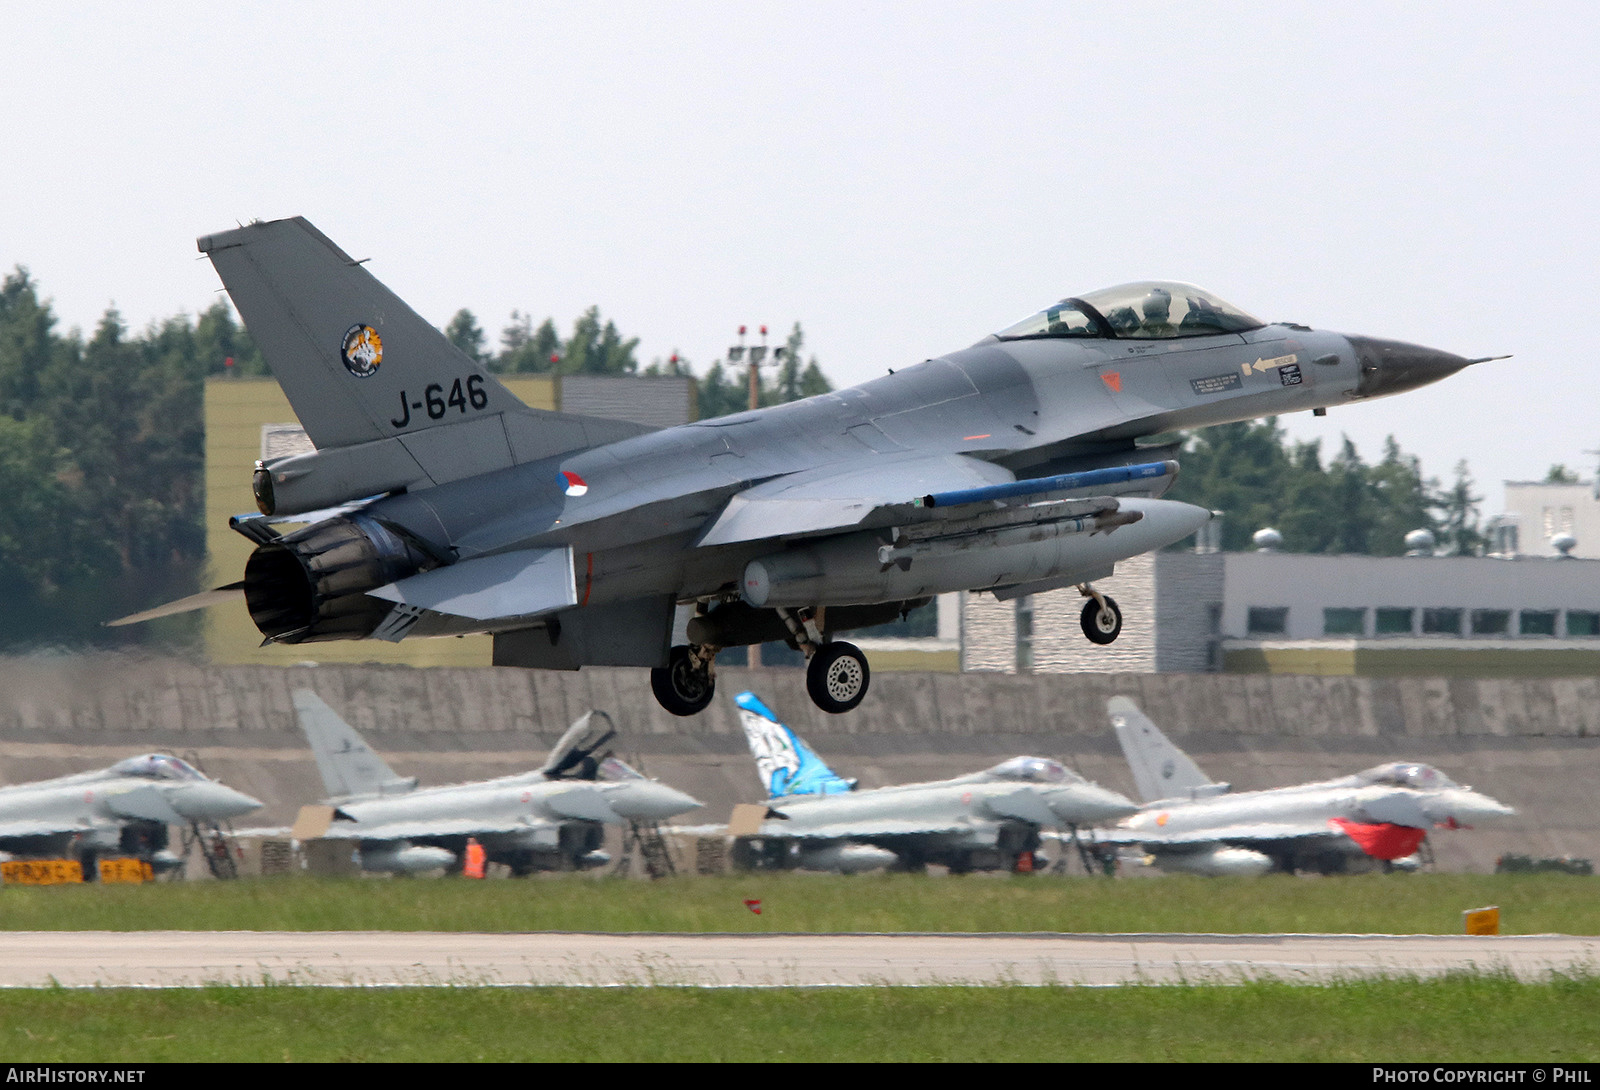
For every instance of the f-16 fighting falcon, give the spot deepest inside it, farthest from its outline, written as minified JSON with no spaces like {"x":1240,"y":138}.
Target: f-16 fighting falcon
{"x":817,"y":821}
{"x":436,"y":503}
{"x":1190,"y":824}
{"x":550,"y":819}
{"x":123,"y":810}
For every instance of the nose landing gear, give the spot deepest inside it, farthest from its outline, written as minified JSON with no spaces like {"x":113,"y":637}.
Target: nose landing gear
{"x":1101,"y":618}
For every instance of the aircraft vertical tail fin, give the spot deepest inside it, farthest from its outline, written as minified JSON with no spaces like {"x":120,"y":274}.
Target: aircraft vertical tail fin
{"x":787,"y":765}
{"x":1160,"y":769}
{"x":355,"y":361}
{"x":349,"y":767}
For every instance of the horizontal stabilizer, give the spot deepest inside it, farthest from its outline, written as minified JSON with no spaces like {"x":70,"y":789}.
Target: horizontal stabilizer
{"x":517,"y":584}
{"x":204,"y":600}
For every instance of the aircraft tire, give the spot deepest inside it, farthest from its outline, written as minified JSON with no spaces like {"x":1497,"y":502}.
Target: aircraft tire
{"x":681,"y":686}
{"x":1101,"y":626}
{"x":837,"y":677}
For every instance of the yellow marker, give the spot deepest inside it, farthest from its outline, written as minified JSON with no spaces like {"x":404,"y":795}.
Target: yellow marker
{"x":1482,"y":921}
{"x":41,"y":872}
{"x":133,"y":871}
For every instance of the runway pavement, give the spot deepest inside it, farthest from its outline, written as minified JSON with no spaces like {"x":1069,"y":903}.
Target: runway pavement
{"x":369,"y":958}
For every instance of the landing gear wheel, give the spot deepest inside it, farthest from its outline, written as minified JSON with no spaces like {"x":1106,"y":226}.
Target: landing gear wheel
{"x":683,"y":686}
{"x":837,"y":677}
{"x":1102,"y":624}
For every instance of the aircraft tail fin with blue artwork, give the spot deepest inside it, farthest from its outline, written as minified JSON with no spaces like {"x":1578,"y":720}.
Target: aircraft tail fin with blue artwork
{"x":787,"y":765}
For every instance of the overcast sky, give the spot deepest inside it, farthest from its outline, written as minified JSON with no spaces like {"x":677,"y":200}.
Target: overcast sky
{"x":900,"y":178}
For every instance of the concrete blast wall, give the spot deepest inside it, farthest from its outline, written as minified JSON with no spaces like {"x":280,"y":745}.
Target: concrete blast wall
{"x":1531,"y":742}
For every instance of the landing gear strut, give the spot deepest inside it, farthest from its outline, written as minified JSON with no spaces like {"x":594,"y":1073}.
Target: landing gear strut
{"x":1101,"y":618}
{"x":686,"y":684}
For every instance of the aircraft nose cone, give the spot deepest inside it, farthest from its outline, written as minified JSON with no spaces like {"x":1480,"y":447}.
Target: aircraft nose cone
{"x":1469,"y":808}
{"x":213,"y":802}
{"x":649,"y":801}
{"x":1392,"y":367}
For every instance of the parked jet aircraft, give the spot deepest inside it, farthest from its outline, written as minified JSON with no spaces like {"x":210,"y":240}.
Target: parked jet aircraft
{"x":818,"y":821}
{"x":439,"y":504}
{"x":124,"y":809}
{"x":552,"y":818}
{"x":1191,"y":824}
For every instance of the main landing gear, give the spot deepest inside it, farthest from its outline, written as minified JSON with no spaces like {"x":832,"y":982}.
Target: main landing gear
{"x":1101,"y":617}
{"x":837,"y":675}
{"x":686,"y":684}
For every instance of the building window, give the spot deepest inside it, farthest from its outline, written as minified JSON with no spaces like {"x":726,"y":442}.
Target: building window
{"x":1025,"y":634}
{"x":1344,"y":622}
{"x":1582,"y":623}
{"x":1491,"y":622}
{"x":1441,"y":622}
{"x":1537,"y":622}
{"x":1272,"y":621}
{"x":1390,"y":621}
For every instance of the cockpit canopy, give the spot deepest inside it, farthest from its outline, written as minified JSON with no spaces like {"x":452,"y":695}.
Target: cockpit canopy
{"x":618,"y":771}
{"x":1034,"y":770}
{"x":157,"y":766}
{"x":1149,"y":309}
{"x":1420,"y":777}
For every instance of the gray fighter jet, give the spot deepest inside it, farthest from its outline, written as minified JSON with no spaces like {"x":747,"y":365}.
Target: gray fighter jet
{"x":1374,"y":818}
{"x":553,"y":818}
{"x":815,"y":820}
{"x":439,"y":504}
{"x":122,"y":810}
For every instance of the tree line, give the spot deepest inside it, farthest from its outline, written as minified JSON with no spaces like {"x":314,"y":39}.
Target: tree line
{"x":1257,"y":479}
{"x":595,"y":346}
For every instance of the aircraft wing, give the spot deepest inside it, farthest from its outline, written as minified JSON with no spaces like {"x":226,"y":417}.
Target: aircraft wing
{"x":905,"y":489}
{"x":421,"y":829}
{"x":864,"y":830}
{"x":831,"y":499}
{"x":1242,"y":835}
{"x":35,"y":827}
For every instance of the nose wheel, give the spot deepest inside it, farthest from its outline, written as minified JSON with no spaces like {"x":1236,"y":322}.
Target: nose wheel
{"x":837,"y":677}
{"x":685,"y":685}
{"x":1101,"y":618}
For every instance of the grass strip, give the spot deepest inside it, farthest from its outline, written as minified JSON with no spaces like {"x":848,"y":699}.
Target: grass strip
{"x":791,"y":902}
{"x":1460,"y":1018}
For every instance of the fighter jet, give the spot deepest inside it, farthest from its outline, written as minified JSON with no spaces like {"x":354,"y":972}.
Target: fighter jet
{"x":553,"y":818}
{"x":1374,"y":818}
{"x":817,"y":821}
{"x":122,"y":810}
{"x":437,"y":504}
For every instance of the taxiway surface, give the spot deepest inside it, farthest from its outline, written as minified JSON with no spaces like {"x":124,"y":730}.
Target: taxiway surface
{"x":368,"y":958}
